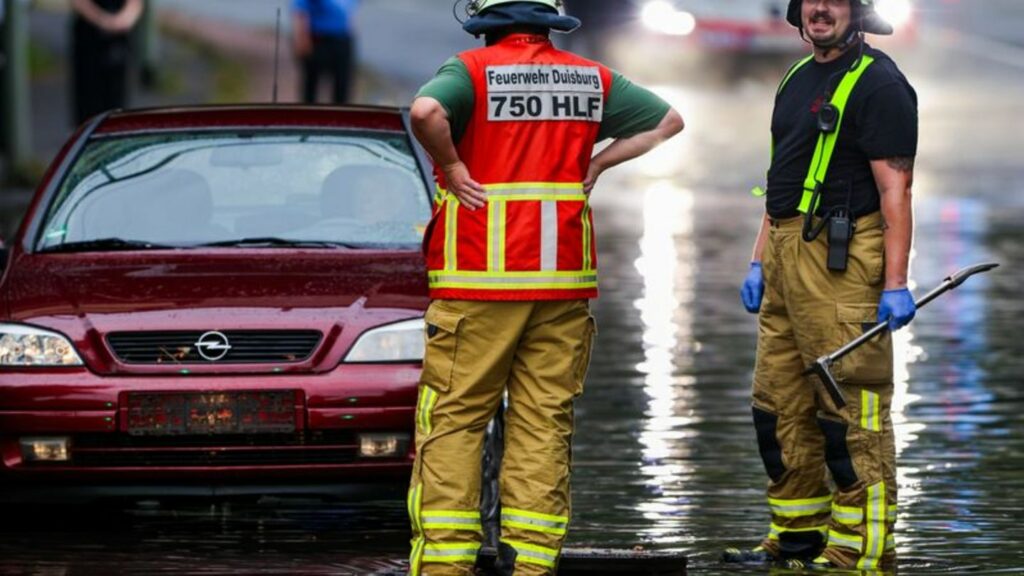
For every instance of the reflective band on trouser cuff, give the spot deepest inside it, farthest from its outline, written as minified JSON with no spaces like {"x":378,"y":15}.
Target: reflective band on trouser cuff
{"x":414,"y":504}
{"x":890,"y":513}
{"x":845,"y":540}
{"x":451,"y":552}
{"x":847,"y":514}
{"x":545,"y":280}
{"x":428,"y":399}
{"x":890,"y":542}
{"x":451,"y":233}
{"x":533,"y":554}
{"x":869,"y":417}
{"x":874,"y":544}
{"x":451,"y":520}
{"x":826,"y":145}
{"x":801,"y":507}
{"x":534,"y":522}
{"x":775,"y":530}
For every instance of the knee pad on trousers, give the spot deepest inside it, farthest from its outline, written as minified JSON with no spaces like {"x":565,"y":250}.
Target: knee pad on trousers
{"x":805,"y":544}
{"x":837,"y":454}
{"x":766,"y":425}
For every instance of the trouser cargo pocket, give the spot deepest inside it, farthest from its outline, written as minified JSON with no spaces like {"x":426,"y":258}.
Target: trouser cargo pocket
{"x":442,"y":346}
{"x":872,"y":362}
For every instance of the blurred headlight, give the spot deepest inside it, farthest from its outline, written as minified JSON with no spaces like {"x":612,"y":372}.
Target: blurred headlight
{"x":400,"y":342}
{"x":895,"y":12}
{"x":27,"y":346}
{"x":661,"y":16}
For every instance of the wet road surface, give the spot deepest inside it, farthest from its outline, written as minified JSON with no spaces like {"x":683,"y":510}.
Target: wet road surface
{"x":665,"y":453}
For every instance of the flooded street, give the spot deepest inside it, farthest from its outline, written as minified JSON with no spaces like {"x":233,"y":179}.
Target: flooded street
{"x":665,"y":454}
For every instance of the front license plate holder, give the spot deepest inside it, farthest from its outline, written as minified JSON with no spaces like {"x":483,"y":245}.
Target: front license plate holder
{"x":206,"y":413}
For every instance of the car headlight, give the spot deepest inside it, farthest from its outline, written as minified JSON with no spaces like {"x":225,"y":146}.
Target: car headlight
{"x":399,"y":342}
{"x":28,"y":346}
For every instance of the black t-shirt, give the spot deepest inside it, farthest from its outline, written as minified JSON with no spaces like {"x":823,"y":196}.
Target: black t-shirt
{"x":880,"y":121}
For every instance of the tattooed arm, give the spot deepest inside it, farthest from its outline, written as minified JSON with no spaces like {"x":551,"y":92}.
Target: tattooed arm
{"x":895,"y":177}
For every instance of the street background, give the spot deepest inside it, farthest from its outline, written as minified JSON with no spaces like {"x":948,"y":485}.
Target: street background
{"x":665,"y":455}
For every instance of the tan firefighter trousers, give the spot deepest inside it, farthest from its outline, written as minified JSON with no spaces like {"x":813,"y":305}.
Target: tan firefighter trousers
{"x":809,"y":311}
{"x":476,"y":351}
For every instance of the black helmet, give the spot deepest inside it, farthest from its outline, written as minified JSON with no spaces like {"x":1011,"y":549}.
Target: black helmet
{"x":863,"y":12}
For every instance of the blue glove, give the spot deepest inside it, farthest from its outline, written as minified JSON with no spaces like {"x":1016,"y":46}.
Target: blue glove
{"x":897,"y":306}
{"x":753,"y":288}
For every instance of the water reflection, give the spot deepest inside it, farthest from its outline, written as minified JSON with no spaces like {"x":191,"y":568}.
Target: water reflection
{"x":668,"y":266}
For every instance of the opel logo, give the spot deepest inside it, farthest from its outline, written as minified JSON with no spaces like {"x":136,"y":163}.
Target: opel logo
{"x":213,"y":346}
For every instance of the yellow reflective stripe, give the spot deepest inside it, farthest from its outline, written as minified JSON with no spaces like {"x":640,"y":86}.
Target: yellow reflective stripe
{"x":869,"y":417}
{"x":890,"y":542}
{"x":875,"y":543}
{"x":428,"y":399}
{"x":515,"y":275}
{"x":415,"y":504}
{"x":847,"y":514}
{"x":775,"y":530}
{"x":535,"y":515}
{"x":496,"y":236}
{"x":587,"y":236}
{"x":827,"y":142}
{"x":513,"y":280}
{"x":534,"y":521}
{"x":515,"y":186}
{"x":800,"y":507}
{"x":845,"y":540}
{"x":533,"y":554}
{"x":451,"y":520}
{"x":890,"y":513}
{"x":451,"y":232}
{"x":451,"y":552}
{"x":439,"y":194}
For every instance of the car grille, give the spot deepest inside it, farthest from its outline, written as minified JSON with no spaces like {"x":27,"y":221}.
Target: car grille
{"x":301,"y":448}
{"x":247,"y":346}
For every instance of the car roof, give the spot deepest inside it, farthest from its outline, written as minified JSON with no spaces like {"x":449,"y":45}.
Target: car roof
{"x":253,"y":116}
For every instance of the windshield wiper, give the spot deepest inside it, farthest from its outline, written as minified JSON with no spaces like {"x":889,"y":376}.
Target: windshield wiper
{"x":105,"y":244}
{"x":276,"y":241}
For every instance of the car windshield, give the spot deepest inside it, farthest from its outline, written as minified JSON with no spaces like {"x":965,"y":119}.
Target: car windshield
{"x":351,"y":189}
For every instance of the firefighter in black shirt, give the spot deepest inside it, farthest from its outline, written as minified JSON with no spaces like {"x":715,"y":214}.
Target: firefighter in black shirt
{"x":830,"y":259}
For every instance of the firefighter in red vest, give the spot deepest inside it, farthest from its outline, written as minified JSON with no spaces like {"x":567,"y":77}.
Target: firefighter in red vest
{"x":511,"y":258}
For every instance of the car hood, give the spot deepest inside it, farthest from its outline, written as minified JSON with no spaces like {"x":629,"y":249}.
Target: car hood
{"x":87,"y":295}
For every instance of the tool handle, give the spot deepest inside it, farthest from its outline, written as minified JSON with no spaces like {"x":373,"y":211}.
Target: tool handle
{"x":949,"y":283}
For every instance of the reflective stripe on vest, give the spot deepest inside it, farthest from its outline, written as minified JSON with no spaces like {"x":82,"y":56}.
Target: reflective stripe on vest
{"x":826,"y":145}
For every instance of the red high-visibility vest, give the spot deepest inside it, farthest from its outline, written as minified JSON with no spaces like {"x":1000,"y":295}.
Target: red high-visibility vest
{"x":535,"y":120}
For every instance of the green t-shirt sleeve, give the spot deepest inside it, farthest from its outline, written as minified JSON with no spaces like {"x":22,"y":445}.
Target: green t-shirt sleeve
{"x":453,"y":88}
{"x":630,"y":110}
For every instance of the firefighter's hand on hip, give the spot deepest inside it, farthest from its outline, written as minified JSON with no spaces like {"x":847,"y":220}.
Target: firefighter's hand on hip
{"x":593,"y":173}
{"x":469,"y":192}
{"x":753,"y":288}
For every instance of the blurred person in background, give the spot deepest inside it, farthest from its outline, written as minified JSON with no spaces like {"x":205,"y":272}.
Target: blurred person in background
{"x":512,"y":264}
{"x":100,"y":49}
{"x":325,"y":45}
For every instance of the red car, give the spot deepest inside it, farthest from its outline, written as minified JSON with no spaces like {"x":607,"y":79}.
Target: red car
{"x":217,"y":301}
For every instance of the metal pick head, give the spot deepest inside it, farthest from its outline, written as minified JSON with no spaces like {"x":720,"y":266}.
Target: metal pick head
{"x":820,"y":368}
